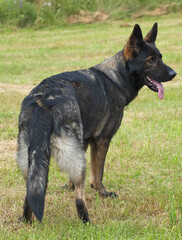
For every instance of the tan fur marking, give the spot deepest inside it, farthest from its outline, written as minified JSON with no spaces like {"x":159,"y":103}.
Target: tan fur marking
{"x":127,"y":52}
{"x":148,"y":37}
{"x":40,"y":103}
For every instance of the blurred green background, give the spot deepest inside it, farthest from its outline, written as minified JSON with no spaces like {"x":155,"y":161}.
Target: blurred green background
{"x":39,"y":13}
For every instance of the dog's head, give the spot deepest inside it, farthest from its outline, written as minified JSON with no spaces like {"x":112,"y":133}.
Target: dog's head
{"x":144,"y":60}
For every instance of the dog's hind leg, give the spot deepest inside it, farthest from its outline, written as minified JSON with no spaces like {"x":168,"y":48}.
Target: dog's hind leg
{"x":22,"y":161}
{"x":22,"y":153}
{"x":70,"y":185}
{"x":27,"y":212}
{"x":70,"y":156}
{"x":80,"y":201}
{"x":98,"y":154}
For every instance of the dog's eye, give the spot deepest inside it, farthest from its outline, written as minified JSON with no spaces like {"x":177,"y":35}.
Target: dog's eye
{"x":150,"y":59}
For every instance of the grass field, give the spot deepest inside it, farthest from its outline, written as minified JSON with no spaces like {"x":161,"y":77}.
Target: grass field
{"x":143,"y":165}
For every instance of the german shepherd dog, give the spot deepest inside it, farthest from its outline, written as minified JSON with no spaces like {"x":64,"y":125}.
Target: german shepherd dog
{"x":67,"y":112}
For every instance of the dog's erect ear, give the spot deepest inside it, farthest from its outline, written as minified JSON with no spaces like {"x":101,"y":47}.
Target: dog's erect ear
{"x":152,"y":35}
{"x":135,"y":42}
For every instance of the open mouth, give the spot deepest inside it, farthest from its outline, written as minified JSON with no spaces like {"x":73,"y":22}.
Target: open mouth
{"x":155,"y":86}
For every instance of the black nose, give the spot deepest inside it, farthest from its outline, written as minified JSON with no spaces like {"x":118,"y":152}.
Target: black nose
{"x":172,"y":74}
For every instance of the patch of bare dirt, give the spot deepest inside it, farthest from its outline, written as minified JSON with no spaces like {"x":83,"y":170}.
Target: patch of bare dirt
{"x":88,"y":17}
{"x":4,"y":87}
{"x":157,"y":12}
{"x":126,"y":25}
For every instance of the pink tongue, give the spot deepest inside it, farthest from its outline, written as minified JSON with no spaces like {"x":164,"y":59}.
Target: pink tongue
{"x":160,"y":89}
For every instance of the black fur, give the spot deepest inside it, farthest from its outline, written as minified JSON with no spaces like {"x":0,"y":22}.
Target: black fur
{"x":89,"y":105}
{"x":82,"y":211}
{"x":38,"y":131}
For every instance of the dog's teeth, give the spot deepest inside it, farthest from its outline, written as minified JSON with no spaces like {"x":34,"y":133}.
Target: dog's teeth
{"x":148,"y":78}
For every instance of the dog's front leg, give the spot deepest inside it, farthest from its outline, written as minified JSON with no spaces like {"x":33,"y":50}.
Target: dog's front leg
{"x":98,"y":154}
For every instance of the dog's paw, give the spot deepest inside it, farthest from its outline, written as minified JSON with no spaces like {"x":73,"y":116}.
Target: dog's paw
{"x":24,"y":220}
{"x":69,"y":187}
{"x":82,"y":211}
{"x":109,"y":194}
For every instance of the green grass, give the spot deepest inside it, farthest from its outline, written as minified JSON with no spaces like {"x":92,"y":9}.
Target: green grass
{"x":143,"y":164}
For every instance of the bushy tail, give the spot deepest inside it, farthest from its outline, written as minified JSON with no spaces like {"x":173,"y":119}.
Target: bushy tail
{"x":39,"y":132}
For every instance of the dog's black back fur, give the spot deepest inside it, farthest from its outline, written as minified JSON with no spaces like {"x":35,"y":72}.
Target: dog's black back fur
{"x":100,"y":92}
{"x":68,"y":111}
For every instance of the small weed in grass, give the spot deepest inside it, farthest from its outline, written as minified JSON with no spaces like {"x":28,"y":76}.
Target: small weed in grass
{"x":173,"y":211}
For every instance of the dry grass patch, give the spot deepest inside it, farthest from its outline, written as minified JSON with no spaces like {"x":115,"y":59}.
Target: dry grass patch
{"x":23,"y":89}
{"x":8,"y":148}
{"x":88,"y":17}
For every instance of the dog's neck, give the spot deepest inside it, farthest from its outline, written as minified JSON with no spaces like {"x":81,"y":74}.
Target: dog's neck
{"x":115,"y":68}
